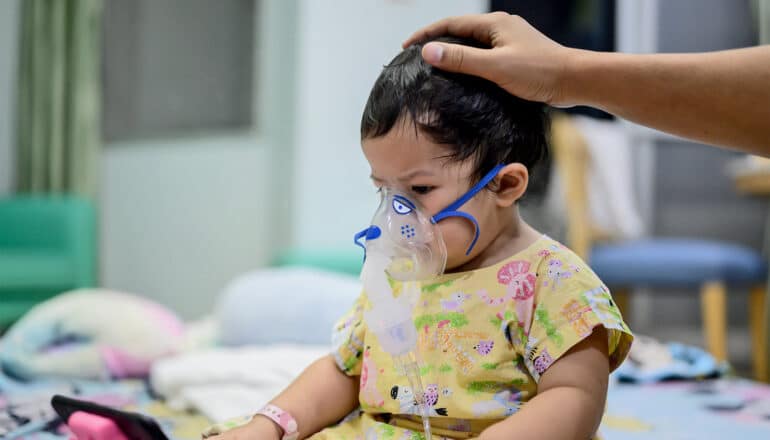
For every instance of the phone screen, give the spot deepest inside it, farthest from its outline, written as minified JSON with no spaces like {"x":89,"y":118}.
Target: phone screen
{"x":134,"y":425}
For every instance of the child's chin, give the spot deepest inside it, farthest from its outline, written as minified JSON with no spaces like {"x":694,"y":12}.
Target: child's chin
{"x":456,"y":265}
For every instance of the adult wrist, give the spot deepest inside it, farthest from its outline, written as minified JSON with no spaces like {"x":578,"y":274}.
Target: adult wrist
{"x":578,"y":78}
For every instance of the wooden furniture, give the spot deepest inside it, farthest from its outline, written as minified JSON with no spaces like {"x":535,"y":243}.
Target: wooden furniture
{"x":753,"y":178}
{"x":707,"y":265}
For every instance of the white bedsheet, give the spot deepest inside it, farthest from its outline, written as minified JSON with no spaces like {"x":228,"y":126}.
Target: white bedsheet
{"x":222,"y":383}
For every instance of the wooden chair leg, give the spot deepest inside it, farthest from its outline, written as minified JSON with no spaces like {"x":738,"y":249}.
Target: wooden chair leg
{"x":622,"y":300}
{"x":757,"y":321}
{"x":714,"y":313}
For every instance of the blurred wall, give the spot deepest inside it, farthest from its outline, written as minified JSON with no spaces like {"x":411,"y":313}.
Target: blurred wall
{"x":182,"y":217}
{"x":9,"y":13}
{"x":179,"y":219}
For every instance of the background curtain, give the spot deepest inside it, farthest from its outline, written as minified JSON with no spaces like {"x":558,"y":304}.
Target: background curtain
{"x":59,"y":96}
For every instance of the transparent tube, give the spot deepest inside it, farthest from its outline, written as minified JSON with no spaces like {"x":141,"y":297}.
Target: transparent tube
{"x":409,"y":364}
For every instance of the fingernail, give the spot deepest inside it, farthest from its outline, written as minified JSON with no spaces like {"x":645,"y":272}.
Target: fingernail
{"x":432,"y":53}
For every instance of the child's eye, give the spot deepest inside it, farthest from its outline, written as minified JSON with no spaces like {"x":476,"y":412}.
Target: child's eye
{"x":422,"y":189}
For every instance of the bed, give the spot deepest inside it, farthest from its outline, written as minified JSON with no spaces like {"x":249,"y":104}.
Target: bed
{"x":25,"y":411}
{"x":711,"y":409}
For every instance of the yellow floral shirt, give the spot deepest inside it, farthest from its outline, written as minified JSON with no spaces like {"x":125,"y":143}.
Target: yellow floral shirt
{"x":485,"y":337}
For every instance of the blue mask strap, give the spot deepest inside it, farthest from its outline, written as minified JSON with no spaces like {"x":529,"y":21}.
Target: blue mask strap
{"x":444,"y":214}
{"x":452,"y":209}
{"x":474,"y":190}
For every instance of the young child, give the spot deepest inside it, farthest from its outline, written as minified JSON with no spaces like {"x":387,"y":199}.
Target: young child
{"x":516,"y":338}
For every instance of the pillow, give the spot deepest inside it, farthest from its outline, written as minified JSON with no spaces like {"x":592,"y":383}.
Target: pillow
{"x":287,"y":304}
{"x":90,"y":334}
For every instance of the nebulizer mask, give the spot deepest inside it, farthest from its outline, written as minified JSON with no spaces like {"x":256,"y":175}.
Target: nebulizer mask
{"x":403,"y":246}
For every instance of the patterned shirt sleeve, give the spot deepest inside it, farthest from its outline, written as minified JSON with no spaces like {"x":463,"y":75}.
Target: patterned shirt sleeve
{"x":348,"y":338}
{"x":569,"y":301}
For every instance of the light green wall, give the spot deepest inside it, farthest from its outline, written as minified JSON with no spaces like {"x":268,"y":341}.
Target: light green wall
{"x":181,"y":218}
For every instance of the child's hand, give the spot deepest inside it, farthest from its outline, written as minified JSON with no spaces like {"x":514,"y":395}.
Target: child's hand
{"x":259,"y":428}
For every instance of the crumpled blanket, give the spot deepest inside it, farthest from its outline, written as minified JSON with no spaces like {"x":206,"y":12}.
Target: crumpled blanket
{"x":652,"y":361}
{"x":90,"y":334}
{"x":222,"y":383}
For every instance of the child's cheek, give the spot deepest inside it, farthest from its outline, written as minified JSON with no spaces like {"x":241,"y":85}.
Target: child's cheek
{"x":434,"y":201}
{"x":457,"y":234}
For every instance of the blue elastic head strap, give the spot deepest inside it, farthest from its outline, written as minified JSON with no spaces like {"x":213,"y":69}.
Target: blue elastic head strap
{"x":452,"y":209}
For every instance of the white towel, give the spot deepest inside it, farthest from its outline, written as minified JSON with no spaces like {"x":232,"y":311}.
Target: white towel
{"x":222,"y":383}
{"x":612,"y":200}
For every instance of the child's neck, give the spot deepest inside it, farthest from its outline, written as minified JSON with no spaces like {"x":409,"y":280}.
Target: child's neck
{"x":512,"y":237}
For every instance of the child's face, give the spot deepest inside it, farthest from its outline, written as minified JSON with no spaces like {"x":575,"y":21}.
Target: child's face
{"x":410,"y":161}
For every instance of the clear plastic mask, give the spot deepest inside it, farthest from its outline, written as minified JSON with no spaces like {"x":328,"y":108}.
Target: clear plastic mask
{"x":402,"y":232}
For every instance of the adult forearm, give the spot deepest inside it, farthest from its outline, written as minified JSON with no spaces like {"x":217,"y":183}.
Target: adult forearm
{"x":721,"y":98}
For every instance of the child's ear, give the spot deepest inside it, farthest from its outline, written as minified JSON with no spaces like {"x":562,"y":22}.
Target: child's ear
{"x":510,"y":184}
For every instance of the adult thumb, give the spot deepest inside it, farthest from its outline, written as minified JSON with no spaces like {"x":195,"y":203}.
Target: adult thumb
{"x":457,"y":58}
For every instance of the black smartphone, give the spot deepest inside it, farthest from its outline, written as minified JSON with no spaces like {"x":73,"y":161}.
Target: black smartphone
{"x":134,"y":425}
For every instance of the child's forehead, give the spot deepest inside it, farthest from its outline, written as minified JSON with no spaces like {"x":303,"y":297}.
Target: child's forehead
{"x":399,"y":170}
{"x":407,"y":163}
{"x":401,"y":150}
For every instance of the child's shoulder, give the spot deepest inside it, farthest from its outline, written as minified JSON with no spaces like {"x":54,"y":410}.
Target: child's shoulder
{"x":545,"y":256}
{"x":546,"y":263}
{"x":549,"y":267}
{"x":555,"y":262}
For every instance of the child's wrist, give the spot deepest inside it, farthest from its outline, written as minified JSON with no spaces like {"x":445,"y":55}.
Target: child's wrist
{"x":264,"y":426}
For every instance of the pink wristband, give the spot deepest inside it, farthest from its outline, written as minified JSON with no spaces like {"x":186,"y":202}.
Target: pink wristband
{"x":282,"y":419}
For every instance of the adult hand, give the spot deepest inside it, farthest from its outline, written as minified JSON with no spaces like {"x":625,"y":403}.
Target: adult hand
{"x":522,"y":60}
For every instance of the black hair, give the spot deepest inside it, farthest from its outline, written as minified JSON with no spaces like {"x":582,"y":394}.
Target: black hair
{"x":473,"y":117}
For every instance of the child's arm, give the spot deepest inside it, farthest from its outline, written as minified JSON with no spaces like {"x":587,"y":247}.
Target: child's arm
{"x":570,"y":399}
{"x":320,"y":396}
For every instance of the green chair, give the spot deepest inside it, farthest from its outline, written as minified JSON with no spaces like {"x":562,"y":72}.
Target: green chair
{"x":47,"y":246}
